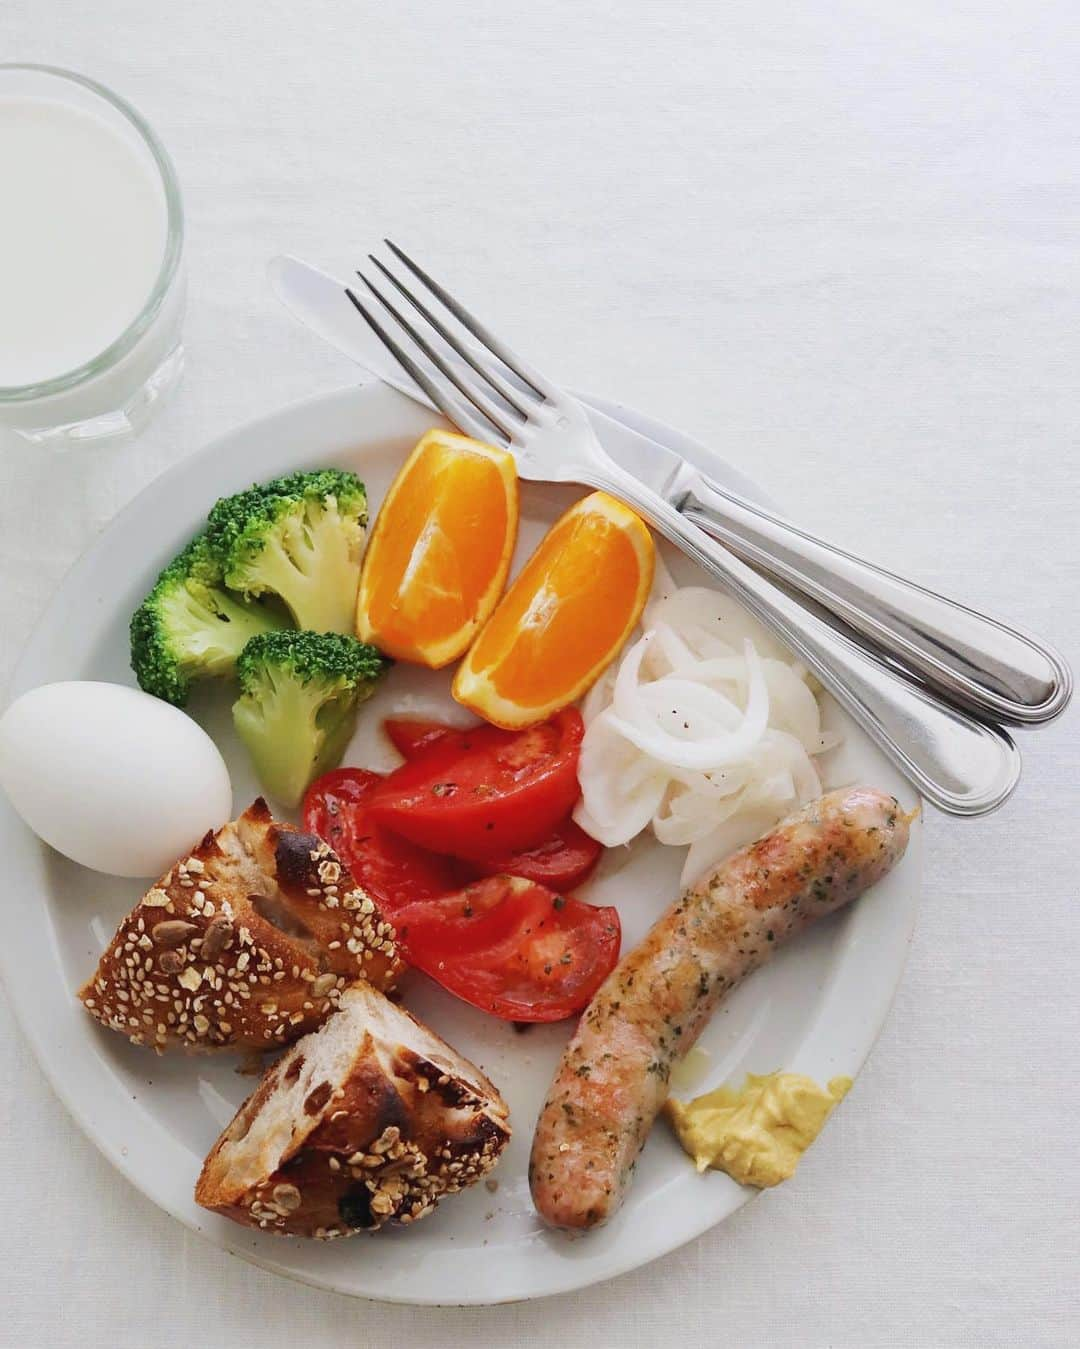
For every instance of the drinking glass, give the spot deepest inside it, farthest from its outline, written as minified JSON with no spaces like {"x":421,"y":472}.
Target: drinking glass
{"x":115,"y":393}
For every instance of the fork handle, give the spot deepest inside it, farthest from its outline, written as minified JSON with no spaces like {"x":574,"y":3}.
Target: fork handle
{"x":972,"y":659}
{"x":960,"y":765}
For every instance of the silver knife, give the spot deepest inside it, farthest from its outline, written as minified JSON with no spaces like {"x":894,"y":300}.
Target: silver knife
{"x":976,"y":661}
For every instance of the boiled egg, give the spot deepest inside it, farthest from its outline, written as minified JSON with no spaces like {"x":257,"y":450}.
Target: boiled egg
{"x":110,"y":777}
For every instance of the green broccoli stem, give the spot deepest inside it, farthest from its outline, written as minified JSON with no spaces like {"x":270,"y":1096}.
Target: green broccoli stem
{"x":322,"y":598}
{"x":293,"y":732}
{"x":210,"y":628}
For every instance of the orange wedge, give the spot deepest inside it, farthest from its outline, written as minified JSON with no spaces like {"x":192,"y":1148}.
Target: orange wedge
{"x":564,"y":619}
{"x":438,"y":556}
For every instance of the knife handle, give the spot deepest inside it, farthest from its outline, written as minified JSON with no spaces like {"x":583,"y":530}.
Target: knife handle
{"x":990,"y":668}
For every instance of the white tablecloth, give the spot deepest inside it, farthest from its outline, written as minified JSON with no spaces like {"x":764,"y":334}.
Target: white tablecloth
{"x":837,"y":240}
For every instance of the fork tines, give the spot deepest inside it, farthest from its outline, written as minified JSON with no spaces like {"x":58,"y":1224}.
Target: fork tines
{"x":460,"y":380}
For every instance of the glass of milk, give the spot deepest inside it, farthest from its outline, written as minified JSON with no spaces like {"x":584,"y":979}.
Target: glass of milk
{"x":91,"y":247}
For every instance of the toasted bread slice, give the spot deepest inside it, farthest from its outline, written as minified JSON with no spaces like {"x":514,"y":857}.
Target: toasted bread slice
{"x":248,"y":942}
{"x":369,"y":1120}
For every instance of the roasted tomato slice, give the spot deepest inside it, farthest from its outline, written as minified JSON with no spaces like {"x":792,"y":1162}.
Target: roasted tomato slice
{"x":513,"y":948}
{"x":562,"y":861}
{"x":483,"y":793}
{"x":393,"y":870}
{"x":410,"y":736}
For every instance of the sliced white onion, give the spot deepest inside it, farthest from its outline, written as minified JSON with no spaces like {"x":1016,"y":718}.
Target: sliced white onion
{"x":626,"y":789}
{"x":795,"y":709}
{"x":688,"y":816}
{"x":735,"y":832}
{"x":689,"y":710}
{"x":635,"y":722}
{"x":700,"y":615}
{"x":718,"y":670}
{"x":669,"y":647}
{"x":707,"y":730}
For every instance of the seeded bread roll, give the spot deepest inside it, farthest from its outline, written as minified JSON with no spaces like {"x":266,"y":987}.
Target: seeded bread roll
{"x":248,"y":942}
{"x":372,"y":1119}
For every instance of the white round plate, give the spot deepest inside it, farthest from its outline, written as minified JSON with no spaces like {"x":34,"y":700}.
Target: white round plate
{"x":816,"y":1008}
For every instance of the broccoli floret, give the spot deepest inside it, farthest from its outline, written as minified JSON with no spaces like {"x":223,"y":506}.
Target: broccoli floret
{"x":189,"y":627}
{"x":299,"y":695}
{"x":299,"y":537}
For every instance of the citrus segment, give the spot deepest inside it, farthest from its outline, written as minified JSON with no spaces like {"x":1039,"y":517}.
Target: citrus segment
{"x":440,"y":550}
{"x":565,"y":617}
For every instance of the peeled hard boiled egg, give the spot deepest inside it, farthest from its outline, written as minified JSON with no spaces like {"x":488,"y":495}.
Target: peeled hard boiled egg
{"x":110,"y":777}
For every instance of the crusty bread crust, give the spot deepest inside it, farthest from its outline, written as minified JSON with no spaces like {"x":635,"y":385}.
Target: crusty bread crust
{"x":247,"y":942}
{"x":369,"y":1120}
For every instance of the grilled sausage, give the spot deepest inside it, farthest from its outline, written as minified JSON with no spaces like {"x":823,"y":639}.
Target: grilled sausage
{"x":613,"y":1078}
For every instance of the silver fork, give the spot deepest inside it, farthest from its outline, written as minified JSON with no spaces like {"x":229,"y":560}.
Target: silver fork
{"x":960,"y":765}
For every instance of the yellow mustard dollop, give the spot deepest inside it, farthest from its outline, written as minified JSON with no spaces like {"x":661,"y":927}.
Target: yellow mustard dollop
{"x":756,"y":1134}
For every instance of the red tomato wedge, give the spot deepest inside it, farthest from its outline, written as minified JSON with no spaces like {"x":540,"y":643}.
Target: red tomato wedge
{"x":513,"y":948}
{"x":393,"y":870}
{"x":485,"y":792}
{"x":410,"y":736}
{"x":562,"y":861}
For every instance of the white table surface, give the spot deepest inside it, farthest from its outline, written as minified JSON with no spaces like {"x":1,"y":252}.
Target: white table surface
{"x":837,"y":240}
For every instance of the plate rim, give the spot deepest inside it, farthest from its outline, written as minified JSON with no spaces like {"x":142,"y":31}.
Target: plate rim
{"x":578,"y":1275}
